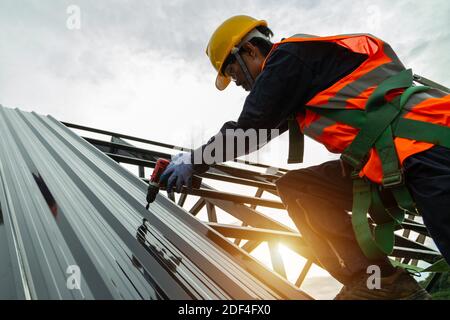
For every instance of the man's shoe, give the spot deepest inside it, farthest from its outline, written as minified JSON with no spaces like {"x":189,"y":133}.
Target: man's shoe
{"x":398,"y":286}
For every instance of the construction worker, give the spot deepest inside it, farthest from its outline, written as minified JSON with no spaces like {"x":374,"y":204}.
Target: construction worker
{"x":352,"y":94}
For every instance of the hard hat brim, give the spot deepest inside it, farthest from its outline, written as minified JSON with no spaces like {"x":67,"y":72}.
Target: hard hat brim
{"x":222,"y":81}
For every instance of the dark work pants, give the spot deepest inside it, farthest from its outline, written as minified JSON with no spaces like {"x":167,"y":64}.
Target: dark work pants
{"x":318,"y":199}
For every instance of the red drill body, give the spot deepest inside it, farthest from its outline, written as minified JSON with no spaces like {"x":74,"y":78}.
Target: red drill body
{"x":153,"y":185}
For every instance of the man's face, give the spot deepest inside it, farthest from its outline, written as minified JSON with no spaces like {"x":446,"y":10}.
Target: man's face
{"x":253,"y":60}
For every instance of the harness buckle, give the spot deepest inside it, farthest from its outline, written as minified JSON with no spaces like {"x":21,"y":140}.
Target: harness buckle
{"x":355,"y":163}
{"x":355,"y":175}
{"x":393,"y":180}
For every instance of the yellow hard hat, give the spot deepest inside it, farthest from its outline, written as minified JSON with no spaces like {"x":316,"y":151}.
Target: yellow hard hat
{"x":227,"y":36}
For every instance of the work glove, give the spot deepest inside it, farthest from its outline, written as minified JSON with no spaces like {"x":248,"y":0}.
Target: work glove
{"x":178,"y":173}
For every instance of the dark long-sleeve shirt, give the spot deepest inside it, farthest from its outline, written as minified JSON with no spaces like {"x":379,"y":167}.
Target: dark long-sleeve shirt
{"x":294,"y":73}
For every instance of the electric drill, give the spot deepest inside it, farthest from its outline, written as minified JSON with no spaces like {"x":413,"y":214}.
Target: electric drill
{"x":153,"y":184}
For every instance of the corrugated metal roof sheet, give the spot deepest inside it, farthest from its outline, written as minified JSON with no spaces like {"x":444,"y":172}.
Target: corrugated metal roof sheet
{"x":64,"y":205}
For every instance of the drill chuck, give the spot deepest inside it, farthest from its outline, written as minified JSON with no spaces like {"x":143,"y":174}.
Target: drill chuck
{"x":153,"y":185}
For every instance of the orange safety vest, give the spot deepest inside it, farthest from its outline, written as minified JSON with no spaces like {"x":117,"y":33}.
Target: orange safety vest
{"x":353,"y":91}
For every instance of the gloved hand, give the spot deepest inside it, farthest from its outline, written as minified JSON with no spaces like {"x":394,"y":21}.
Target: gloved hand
{"x":179,"y":172}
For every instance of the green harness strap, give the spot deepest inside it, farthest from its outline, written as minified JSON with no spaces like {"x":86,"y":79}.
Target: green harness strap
{"x":379,"y":123}
{"x":296,"y":141}
{"x":380,"y":115}
{"x":439,"y":266}
{"x":422,"y":131}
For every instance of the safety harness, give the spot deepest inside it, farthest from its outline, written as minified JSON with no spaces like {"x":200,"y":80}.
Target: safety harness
{"x":379,"y":124}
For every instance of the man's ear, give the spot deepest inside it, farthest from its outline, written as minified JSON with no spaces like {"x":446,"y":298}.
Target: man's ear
{"x":250,"y":49}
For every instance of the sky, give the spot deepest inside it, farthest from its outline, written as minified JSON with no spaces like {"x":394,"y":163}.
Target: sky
{"x":139,"y":67}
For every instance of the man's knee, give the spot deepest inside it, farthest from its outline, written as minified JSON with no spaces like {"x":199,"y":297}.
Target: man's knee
{"x":293,"y":180}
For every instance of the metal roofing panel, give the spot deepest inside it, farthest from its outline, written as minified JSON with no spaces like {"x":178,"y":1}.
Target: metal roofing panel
{"x":65,"y":205}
